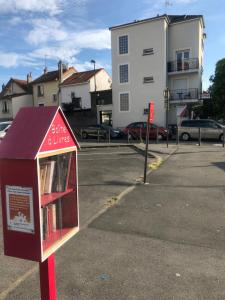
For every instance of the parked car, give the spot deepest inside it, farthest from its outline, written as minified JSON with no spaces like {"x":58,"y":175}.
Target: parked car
{"x":137,"y":129}
{"x":100,"y":130}
{"x":210,"y":129}
{"x":4,"y":126}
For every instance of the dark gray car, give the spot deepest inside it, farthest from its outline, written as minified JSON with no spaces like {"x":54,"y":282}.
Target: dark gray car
{"x":210,"y":129}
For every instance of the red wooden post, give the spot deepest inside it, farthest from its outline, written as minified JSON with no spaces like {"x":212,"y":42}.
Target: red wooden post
{"x":47,"y":278}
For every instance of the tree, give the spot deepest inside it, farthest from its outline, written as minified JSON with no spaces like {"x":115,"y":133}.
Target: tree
{"x":217,"y":89}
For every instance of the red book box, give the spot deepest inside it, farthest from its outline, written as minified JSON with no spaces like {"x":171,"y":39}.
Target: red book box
{"x":38,"y":176}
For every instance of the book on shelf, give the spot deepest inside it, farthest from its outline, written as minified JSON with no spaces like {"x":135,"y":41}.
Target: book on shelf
{"x":43,"y":174}
{"x":54,"y":173}
{"x":61,"y":175}
{"x":49,"y":177}
{"x":51,"y":219}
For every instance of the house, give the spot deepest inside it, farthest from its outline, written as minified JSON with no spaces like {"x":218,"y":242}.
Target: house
{"x":88,"y":93}
{"x":15,"y":94}
{"x":150,"y":55}
{"x":46,"y":88}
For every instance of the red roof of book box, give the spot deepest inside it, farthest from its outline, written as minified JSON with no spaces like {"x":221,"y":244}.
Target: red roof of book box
{"x":35,"y":130}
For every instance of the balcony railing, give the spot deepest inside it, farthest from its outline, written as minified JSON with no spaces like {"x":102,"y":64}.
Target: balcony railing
{"x":184,"y":94}
{"x":183,"y":65}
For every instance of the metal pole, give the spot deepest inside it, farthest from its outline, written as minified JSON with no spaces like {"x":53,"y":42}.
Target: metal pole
{"x":81,"y":133}
{"x":157,"y":135}
{"x":98,"y":136}
{"x":146,"y":149}
{"x":167,"y":129}
{"x":199,"y":136}
{"x":128,"y":136}
{"x":109,"y":136}
{"x":223,"y":136}
{"x":178,"y":138}
{"x":140,"y":135}
{"x":47,"y":279}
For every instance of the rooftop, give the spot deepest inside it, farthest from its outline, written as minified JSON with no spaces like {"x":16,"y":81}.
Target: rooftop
{"x":51,"y":76}
{"x":171,"y":19}
{"x":80,"y":77}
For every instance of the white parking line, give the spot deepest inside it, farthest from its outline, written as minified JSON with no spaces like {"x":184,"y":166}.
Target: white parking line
{"x":104,"y":153}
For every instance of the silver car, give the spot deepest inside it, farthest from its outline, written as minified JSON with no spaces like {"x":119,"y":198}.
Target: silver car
{"x":210,"y":129}
{"x":4,"y":126}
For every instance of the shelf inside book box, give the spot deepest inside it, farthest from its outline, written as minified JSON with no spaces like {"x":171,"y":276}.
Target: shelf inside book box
{"x":48,"y":198}
{"x":59,"y":218}
{"x":57,"y":237}
{"x":57,"y":176}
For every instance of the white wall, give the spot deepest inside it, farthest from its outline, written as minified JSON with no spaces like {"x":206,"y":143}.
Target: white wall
{"x":103,"y":81}
{"x":14,"y":89}
{"x":81,"y":91}
{"x":19,"y":102}
{"x":140,"y":36}
{"x":183,"y":36}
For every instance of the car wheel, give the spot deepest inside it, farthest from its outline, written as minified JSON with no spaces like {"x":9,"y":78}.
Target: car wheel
{"x":221,"y":138}
{"x":185,"y":136}
{"x":84,"y":135}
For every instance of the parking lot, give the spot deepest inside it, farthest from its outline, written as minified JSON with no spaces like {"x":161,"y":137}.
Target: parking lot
{"x":103,"y":174}
{"x":164,"y":240}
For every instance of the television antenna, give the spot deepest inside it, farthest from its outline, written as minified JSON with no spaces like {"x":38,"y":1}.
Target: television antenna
{"x":167,"y":5}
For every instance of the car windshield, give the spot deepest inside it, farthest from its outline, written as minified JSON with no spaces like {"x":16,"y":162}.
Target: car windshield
{"x":3,"y":126}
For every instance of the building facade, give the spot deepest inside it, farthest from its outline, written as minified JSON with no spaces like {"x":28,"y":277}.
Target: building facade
{"x":150,"y":55}
{"x":15,"y":94}
{"x":46,"y":88}
{"x":89,"y":90}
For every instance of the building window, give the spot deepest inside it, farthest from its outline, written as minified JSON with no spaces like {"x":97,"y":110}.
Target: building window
{"x":54,"y":97}
{"x":40,"y":90}
{"x":124,"y":102}
{"x":5,"y":108}
{"x":123,"y":73}
{"x":149,"y":79}
{"x":123,"y":44}
{"x":183,"y":60}
{"x":41,"y":104}
{"x":148,"y":51}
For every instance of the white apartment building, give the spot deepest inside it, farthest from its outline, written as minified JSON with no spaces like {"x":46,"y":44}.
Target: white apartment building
{"x":150,"y":55}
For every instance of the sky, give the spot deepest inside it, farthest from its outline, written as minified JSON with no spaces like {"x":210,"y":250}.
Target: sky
{"x":38,"y":32}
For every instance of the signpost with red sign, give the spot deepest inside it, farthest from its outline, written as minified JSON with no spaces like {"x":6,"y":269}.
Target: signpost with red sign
{"x":149,"y":122}
{"x":38,"y":163}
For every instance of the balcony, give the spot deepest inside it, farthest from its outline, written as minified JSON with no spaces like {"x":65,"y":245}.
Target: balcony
{"x":184,"y":95}
{"x":185,"y":65}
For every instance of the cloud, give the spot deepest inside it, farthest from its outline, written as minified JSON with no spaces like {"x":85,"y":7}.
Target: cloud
{"x":55,"y":53}
{"x":14,"y":21}
{"x":46,"y":30}
{"x":48,"y":6}
{"x":13,"y":60}
{"x":56,"y":42}
{"x":52,"y":30}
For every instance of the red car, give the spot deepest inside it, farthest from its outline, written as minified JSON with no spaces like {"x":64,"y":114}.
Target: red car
{"x":137,"y":129}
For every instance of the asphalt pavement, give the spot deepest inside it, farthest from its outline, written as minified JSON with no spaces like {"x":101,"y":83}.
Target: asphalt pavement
{"x":163,"y":240}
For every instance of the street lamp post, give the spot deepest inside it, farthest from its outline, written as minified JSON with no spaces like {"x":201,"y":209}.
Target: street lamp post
{"x":166,"y":94}
{"x":95,"y":98}
{"x":94,"y":62}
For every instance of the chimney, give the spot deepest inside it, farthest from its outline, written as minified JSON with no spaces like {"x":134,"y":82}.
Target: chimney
{"x":60,"y":68}
{"x":3,"y":86}
{"x":45,"y":70}
{"x":29,"y":78}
